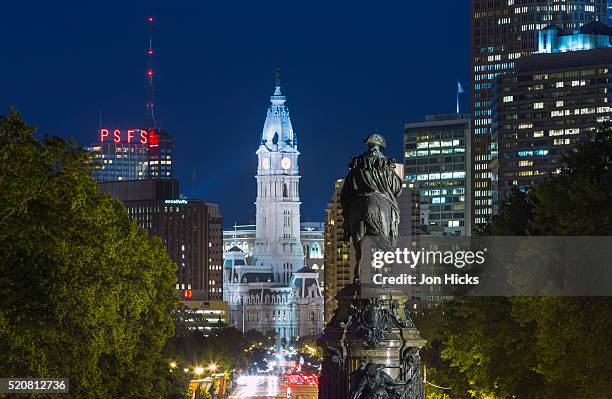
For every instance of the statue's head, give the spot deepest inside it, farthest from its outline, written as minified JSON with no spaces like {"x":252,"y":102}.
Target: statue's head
{"x":376,"y":140}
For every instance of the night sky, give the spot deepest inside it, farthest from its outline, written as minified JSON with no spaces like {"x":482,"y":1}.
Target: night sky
{"x":347,"y":69}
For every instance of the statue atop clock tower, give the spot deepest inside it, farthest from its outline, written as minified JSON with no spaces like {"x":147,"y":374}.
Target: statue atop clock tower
{"x":277,"y":237}
{"x":276,"y":291}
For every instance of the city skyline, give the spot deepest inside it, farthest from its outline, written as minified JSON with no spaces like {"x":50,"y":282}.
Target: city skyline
{"x":306,"y":200}
{"x":211,"y":83}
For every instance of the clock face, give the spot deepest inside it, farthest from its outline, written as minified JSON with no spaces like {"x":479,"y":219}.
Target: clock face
{"x":265,"y":163}
{"x":286,"y":163}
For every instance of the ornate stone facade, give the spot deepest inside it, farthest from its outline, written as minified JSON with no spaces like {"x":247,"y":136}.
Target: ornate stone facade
{"x":275,"y":290}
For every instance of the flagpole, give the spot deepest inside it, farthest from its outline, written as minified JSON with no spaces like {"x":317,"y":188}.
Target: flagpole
{"x":457,"y":100}
{"x":459,"y":91}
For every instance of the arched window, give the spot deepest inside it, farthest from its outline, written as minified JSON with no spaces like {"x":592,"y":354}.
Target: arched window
{"x":315,"y":251}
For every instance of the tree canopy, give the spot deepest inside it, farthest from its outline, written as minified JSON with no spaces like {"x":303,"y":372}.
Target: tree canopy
{"x":84,"y":293}
{"x":534,"y":347}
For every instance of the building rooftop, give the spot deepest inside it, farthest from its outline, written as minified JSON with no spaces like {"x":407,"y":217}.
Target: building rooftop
{"x":553,"y":39}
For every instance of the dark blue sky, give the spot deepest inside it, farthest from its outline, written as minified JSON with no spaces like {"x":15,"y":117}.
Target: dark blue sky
{"x":347,"y":68}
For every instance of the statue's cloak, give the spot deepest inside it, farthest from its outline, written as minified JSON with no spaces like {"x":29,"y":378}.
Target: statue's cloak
{"x":368,"y":198}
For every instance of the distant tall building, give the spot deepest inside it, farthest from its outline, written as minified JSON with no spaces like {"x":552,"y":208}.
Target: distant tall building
{"x":277,"y":291}
{"x":192,"y":230}
{"x":160,"y":155}
{"x":119,"y":161}
{"x":550,"y":103}
{"x":338,"y":265}
{"x":501,"y":33}
{"x":410,"y":213}
{"x":134,"y":154}
{"x":437,"y":160}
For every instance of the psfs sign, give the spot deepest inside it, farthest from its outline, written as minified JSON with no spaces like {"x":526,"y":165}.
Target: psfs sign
{"x":129,"y":136}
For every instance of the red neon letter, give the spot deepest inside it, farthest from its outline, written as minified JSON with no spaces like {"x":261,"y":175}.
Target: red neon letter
{"x":143,"y":137}
{"x":116,"y":136}
{"x":130,"y":135}
{"x":153,"y":138}
{"x":103,"y":134}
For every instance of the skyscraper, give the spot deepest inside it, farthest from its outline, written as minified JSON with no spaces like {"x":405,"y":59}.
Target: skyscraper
{"x":119,"y":160}
{"x":550,"y":103}
{"x":437,"y":160}
{"x":134,"y":154}
{"x":338,"y":265}
{"x":502,"y":32}
{"x":277,"y":291}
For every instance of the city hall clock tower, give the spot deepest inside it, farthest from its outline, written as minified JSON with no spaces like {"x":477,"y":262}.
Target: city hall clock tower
{"x":277,"y":238}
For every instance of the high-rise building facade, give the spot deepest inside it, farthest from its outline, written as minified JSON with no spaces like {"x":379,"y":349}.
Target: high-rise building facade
{"x":550,"y":103}
{"x":338,"y":265}
{"x":277,"y":291}
{"x":135,"y":154}
{"x":119,"y":161}
{"x":132,"y":154}
{"x":160,"y":155}
{"x":502,"y":31}
{"x":192,"y":230}
{"x":410,"y":213}
{"x":437,"y":161}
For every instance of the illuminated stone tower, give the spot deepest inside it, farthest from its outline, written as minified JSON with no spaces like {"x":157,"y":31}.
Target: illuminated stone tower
{"x":277,"y":237}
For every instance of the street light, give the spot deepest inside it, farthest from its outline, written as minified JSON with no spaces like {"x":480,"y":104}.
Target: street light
{"x":212,"y":367}
{"x":172,"y":365}
{"x":198,"y":370}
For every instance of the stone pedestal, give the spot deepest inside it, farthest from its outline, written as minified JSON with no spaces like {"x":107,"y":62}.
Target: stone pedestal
{"x":370,"y":338}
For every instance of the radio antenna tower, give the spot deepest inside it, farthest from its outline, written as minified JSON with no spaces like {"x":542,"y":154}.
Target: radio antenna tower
{"x":150,"y":114}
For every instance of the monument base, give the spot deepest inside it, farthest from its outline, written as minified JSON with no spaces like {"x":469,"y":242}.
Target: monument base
{"x":371,"y":344}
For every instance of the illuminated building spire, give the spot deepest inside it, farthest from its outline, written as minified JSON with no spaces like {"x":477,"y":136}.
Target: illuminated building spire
{"x":277,"y":82}
{"x":277,"y":132}
{"x":150,"y":114}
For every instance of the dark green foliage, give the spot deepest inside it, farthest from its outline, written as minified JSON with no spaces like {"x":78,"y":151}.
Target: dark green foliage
{"x":578,"y":201}
{"x":513,"y":218}
{"x":84,"y":294}
{"x":534,"y":347}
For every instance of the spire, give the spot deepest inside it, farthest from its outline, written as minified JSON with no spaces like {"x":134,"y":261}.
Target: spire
{"x":150,"y":114}
{"x":277,"y":82}
{"x":278,"y":132}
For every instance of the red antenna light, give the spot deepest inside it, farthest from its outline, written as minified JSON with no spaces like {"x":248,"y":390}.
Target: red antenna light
{"x":150,"y":19}
{"x":150,"y":72}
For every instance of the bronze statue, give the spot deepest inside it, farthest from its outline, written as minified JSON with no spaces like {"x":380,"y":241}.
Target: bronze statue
{"x":371,"y":351}
{"x":374,"y":383}
{"x":369,"y":199}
